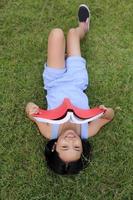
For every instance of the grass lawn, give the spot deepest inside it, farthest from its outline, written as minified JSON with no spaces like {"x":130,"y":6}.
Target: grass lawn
{"x":108,"y":48}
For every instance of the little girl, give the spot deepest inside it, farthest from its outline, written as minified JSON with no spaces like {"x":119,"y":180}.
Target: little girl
{"x":68,"y":151}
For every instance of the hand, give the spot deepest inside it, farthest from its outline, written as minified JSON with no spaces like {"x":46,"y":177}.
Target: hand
{"x":31,"y":108}
{"x":97,"y":124}
{"x":109,"y":113}
{"x":102,"y":107}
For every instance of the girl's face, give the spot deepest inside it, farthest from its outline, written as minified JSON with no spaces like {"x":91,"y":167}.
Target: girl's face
{"x":69,"y":146}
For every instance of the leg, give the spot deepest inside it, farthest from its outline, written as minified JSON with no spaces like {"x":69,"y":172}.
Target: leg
{"x":76,"y":34}
{"x":56,"y":49}
{"x":73,"y":40}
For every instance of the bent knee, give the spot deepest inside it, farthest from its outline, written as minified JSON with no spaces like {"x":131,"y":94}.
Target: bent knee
{"x":56,"y":33}
{"x":71,"y":31}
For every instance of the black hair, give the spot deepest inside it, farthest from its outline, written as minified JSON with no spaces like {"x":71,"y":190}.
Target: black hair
{"x":56,"y":164}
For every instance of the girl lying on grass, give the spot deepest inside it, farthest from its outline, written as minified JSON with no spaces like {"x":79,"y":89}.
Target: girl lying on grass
{"x":68,"y":150}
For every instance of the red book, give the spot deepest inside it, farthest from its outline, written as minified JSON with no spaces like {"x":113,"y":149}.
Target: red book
{"x":68,"y":112}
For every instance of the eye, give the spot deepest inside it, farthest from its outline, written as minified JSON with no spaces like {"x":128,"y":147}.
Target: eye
{"x":76,"y":146}
{"x":64,"y":146}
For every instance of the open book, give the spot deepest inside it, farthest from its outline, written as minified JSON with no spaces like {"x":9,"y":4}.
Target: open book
{"x":68,"y":112}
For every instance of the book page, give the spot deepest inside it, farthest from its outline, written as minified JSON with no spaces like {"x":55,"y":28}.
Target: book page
{"x":60,"y":121}
{"x":77,"y":120}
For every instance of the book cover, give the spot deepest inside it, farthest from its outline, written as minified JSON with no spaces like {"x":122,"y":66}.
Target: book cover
{"x":68,"y":112}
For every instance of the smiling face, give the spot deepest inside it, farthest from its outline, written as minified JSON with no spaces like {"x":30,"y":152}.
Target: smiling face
{"x":69,"y":146}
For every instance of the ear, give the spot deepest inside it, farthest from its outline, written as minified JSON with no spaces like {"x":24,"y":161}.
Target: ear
{"x":54,"y":146}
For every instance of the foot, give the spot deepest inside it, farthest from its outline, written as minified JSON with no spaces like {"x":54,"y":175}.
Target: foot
{"x":84,"y":17}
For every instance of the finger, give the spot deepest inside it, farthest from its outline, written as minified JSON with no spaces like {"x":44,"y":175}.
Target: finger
{"x":102,"y":106}
{"x":35,"y":110}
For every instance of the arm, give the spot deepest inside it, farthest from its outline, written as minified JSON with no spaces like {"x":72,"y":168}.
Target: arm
{"x":44,"y":128}
{"x":96,"y":125}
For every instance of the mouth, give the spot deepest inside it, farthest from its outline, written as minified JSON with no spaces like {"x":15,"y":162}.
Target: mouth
{"x":70,"y":134}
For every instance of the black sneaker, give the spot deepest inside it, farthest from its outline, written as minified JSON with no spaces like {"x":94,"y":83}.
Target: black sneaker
{"x":84,"y":15}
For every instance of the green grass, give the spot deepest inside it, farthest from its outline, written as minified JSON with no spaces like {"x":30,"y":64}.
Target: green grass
{"x":108,"y":48}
